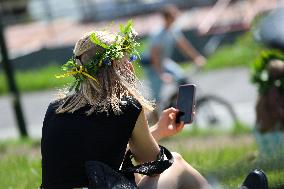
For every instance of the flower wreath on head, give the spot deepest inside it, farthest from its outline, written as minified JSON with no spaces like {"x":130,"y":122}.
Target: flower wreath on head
{"x":260,"y":73}
{"x":124,"y":43}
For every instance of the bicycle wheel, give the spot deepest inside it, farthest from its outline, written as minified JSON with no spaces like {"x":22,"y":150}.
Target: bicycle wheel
{"x":214,"y":112}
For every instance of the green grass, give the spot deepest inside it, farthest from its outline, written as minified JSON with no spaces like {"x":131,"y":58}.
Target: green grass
{"x":226,"y":158}
{"x":242,"y":53}
{"x":34,"y":80}
{"x":238,"y":128}
{"x":43,"y":79}
{"x":20,"y":164}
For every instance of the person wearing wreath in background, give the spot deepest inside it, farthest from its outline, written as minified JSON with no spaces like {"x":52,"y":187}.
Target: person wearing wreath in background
{"x":86,"y":132}
{"x":268,"y":75}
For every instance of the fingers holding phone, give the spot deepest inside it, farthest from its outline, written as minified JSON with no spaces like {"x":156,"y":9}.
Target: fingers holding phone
{"x":176,"y":126}
{"x":167,"y":125}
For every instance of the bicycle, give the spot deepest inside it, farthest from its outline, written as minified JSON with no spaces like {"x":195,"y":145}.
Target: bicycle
{"x":212,"y":111}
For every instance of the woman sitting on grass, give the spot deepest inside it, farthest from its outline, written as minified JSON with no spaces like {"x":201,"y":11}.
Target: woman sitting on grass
{"x":86,"y":132}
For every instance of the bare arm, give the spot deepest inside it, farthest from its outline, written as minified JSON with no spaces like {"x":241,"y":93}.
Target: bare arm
{"x":156,"y":60}
{"x":157,"y":65}
{"x":190,"y":51}
{"x":142,"y":144}
{"x":166,"y":125}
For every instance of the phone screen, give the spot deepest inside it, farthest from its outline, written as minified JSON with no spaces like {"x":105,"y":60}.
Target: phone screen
{"x":185,"y":103}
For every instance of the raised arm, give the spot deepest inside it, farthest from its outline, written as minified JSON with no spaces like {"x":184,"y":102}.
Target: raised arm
{"x":166,"y":125}
{"x":143,"y":143}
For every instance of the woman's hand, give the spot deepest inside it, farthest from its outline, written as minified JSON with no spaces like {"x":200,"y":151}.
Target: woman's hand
{"x":166,"y":77}
{"x":167,"y":125}
{"x":200,"y":61}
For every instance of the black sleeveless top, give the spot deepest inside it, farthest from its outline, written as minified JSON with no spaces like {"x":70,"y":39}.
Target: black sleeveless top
{"x":71,"y":139}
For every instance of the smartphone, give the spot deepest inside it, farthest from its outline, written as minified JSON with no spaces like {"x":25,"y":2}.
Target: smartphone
{"x":185,"y":103}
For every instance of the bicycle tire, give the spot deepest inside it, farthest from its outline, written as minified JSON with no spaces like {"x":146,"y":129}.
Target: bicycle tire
{"x":223,"y":120}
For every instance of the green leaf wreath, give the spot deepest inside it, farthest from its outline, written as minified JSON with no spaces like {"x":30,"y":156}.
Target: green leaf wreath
{"x":125,"y":43}
{"x":260,"y":74}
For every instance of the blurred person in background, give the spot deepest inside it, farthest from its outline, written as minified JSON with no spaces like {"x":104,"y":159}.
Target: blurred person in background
{"x":269,"y":77}
{"x":156,"y":59}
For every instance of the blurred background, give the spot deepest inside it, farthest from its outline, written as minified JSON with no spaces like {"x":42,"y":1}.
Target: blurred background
{"x":38,"y":37}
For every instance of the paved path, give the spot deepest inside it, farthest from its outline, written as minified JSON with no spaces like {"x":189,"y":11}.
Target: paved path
{"x":34,"y":106}
{"x":232,"y":84}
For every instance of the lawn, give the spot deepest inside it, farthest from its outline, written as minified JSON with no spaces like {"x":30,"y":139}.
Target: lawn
{"x":35,"y":80}
{"x":224,"y":159}
{"x":242,"y":52}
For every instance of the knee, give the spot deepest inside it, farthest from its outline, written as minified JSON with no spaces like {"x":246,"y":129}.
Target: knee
{"x":177,"y":156}
{"x":179,"y":161}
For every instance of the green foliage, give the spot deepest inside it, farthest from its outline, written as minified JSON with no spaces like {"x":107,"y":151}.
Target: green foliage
{"x":260,"y":73}
{"x":69,"y":65}
{"x":97,"y":41}
{"x":124,"y":44}
{"x":127,"y":28}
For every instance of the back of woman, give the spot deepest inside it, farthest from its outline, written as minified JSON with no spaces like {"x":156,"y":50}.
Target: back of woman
{"x":86,"y":132}
{"x":94,"y":119}
{"x":70,"y":140}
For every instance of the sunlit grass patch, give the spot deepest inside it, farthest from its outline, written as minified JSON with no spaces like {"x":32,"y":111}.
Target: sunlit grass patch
{"x":225,"y":159}
{"x":37,"y":79}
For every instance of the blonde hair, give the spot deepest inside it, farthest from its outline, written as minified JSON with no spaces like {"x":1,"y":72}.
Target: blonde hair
{"x":114,"y":82}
